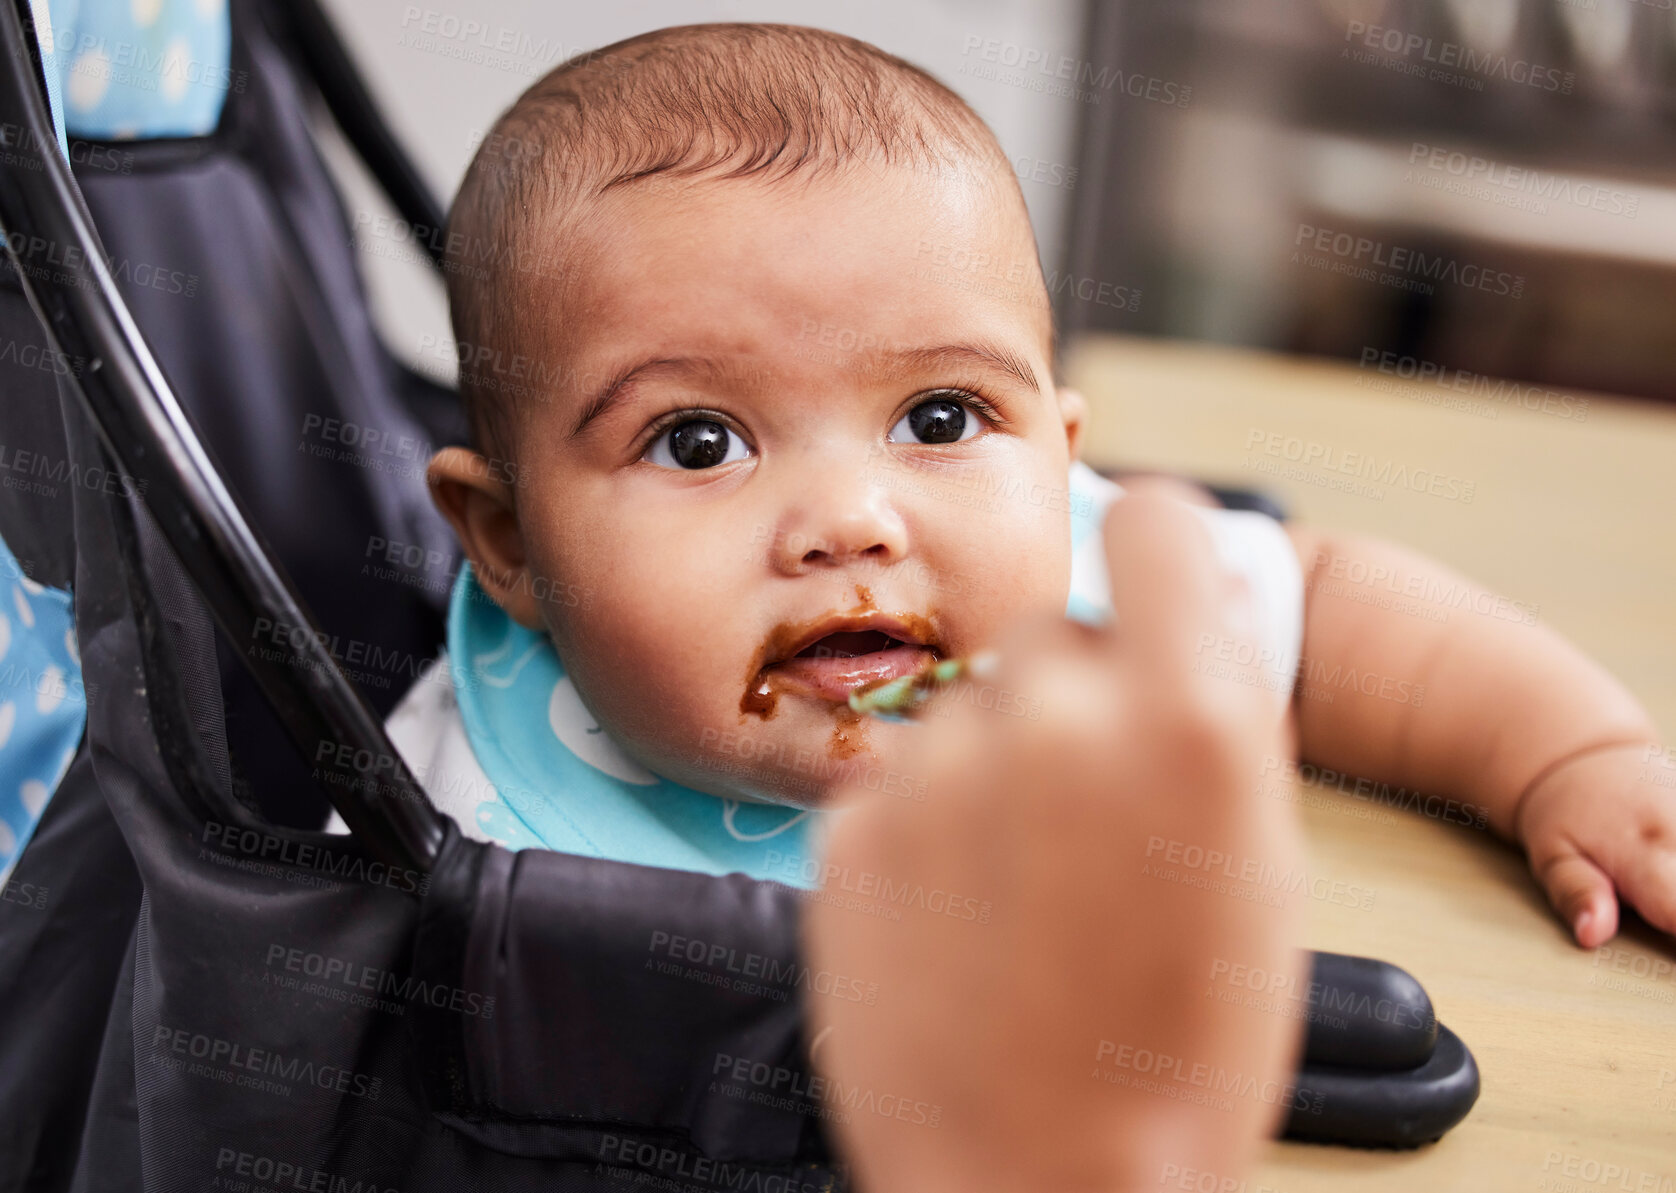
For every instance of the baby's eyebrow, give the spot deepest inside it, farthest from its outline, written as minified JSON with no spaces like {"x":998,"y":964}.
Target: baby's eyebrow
{"x":606,"y":396}
{"x":978,"y":352}
{"x":991,"y":357}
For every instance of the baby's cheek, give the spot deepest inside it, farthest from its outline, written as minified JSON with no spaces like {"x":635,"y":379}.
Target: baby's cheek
{"x":662,"y":682}
{"x":618,"y":672}
{"x":1027,"y":572}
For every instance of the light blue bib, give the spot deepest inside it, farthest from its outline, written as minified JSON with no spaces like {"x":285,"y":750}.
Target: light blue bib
{"x":564,"y":785}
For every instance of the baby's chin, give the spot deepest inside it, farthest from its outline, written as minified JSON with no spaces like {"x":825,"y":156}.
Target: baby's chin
{"x":764,"y":782}
{"x":797,"y":761}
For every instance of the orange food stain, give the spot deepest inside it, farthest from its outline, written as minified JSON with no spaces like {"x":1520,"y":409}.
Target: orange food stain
{"x":849,"y":734}
{"x":761,"y":698}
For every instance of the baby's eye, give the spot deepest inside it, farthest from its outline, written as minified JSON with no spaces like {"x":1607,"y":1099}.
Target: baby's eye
{"x":696,"y":443}
{"x":942,"y":419}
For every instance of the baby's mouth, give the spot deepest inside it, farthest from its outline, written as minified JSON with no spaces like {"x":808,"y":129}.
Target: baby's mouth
{"x":833,"y":659}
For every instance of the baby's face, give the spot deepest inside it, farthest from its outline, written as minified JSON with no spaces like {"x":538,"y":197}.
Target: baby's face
{"x":797,"y":442}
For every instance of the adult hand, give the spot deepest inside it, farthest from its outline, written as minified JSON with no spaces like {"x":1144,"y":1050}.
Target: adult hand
{"x":1073,"y":1041}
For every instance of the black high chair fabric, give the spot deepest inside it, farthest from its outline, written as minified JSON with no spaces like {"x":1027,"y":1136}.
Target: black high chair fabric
{"x":263,"y":328}
{"x":59,"y":960}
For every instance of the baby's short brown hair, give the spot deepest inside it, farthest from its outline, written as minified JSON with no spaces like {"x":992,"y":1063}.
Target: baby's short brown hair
{"x":721,"y":101}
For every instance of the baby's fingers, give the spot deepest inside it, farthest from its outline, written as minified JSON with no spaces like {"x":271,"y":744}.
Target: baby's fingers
{"x":1647,"y":880}
{"x":1580,"y":891}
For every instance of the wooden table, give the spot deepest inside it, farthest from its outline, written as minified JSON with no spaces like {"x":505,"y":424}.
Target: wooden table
{"x":1577,"y":517}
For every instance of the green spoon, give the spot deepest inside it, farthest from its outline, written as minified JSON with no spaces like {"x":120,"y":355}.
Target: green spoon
{"x":896,"y":699}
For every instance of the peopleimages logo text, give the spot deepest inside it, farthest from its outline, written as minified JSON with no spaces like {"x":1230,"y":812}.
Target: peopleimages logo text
{"x":1365,"y":251}
{"x":1450,"y":56}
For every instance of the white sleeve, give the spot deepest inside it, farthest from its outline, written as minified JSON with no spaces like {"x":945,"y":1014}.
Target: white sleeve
{"x":1247,"y":543}
{"x":1256,"y":547}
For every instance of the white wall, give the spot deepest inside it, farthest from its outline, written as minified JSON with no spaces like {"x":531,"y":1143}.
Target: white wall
{"x":441,"y":90}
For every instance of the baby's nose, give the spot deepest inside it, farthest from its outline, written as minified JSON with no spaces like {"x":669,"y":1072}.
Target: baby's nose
{"x":836,"y":553}
{"x":837,"y":529}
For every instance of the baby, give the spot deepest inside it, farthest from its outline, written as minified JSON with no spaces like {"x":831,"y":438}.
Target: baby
{"x":751,"y":431}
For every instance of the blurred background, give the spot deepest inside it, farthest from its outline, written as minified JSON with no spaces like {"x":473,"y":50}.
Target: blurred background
{"x":1531,"y":138}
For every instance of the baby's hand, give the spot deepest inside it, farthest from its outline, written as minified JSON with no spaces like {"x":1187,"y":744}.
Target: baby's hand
{"x":1600,"y":822}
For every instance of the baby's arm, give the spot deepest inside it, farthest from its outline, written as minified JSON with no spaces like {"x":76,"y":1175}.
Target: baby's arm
{"x":1461,"y":693}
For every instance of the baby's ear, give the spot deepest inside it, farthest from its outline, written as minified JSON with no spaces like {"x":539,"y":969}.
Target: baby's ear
{"x":1073,"y":408}
{"x":477,"y":499}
